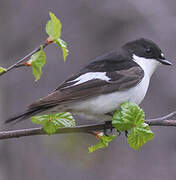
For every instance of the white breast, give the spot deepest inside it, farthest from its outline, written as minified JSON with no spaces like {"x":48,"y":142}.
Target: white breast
{"x":109,"y":102}
{"x":148,"y":65}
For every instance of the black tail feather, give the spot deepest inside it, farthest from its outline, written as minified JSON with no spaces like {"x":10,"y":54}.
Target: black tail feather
{"x":22,"y":116}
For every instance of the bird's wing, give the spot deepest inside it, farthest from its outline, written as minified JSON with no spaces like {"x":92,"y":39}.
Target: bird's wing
{"x":100,"y":77}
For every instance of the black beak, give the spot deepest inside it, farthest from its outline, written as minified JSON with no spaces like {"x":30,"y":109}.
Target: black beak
{"x":164,"y":61}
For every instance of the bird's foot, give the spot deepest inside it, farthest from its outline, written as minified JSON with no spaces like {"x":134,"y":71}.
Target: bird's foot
{"x":126,"y":133}
{"x":119,"y":133}
{"x":107,"y":125}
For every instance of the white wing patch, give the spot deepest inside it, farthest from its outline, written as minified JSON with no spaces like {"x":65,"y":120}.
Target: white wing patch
{"x":90,"y":76}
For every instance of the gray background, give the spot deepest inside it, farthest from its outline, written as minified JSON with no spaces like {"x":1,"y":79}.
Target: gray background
{"x":91,"y":28}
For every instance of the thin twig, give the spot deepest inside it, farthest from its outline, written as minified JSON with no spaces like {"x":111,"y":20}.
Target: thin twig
{"x":168,"y":116}
{"x":40,"y":131}
{"x":160,"y":122}
{"x":18,"y":63}
{"x":82,"y":129}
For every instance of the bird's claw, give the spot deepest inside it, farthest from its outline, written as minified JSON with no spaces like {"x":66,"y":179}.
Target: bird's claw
{"x":106,"y":126}
{"x":119,"y":132}
{"x":126,"y":133}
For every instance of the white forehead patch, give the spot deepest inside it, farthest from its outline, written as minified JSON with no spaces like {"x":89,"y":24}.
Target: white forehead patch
{"x":162,"y":55}
{"x":90,"y":76}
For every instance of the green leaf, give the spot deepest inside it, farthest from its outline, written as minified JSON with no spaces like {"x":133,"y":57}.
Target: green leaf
{"x":38,"y":60}
{"x":128,"y":116}
{"x":2,"y":70}
{"x":103,"y":142}
{"x":53,"y":27}
{"x":62,"y":44}
{"x":131,"y":117}
{"x":52,"y":122}
{"x":139,"y":135}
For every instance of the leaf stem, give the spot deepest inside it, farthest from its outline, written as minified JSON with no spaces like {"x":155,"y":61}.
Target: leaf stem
{"x":18,"y":63}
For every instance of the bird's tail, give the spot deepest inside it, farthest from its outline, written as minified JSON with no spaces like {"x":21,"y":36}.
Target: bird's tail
{"x":22,"y":116}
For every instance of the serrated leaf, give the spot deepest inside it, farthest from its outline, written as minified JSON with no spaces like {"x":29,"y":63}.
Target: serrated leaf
{"x":120,"y":123}
{"x":52,"y":122}
{"x":38,"y":60}
{"x":62,"y":44}
{"x":53,"y":27}
{"x":139,"y":135}
{"x":2,"y":70}
{"x":128,"y":116}
{"x":103,"y":142}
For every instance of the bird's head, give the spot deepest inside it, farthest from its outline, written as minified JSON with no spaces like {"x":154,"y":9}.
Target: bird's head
{"x":145,"y":53}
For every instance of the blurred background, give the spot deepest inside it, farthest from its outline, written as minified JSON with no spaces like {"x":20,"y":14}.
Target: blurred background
{"x":91,"y":28}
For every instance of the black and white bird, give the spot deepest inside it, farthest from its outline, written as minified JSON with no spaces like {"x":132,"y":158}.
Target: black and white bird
{"x":101,"y":86}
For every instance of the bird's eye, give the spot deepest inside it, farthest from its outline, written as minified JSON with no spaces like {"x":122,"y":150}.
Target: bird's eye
{"x":148,"y":50}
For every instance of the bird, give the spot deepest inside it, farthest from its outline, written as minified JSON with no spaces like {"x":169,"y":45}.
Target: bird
{"x":99,"y":88}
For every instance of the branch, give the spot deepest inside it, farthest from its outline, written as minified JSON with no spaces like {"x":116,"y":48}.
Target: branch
{"x":18,"y":63}
{"x":162,"y":121}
